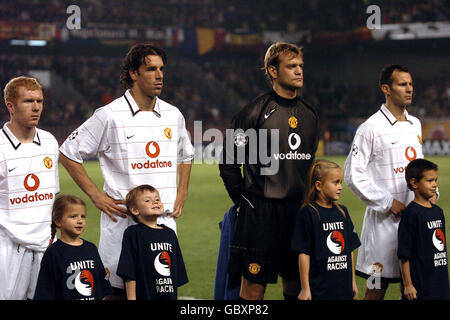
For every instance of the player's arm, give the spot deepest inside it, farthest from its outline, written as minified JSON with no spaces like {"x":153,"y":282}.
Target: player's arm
{"x":232,"y":152}
{"x":130,"y":287}
{"x":100,"y":199}
{"x":304,"y":265}
{"x":184,"y":173}
{"x":410,"y":292}
{"x":354,"y":286}
{"x":357,"y":179}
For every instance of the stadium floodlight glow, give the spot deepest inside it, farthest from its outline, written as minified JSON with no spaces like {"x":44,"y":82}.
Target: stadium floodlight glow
{"x":32,"y":43}
{"x":16,"y":42}
{"x":37,"y":43}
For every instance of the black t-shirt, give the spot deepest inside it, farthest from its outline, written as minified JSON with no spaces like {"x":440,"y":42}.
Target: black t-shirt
{"x":268,"y":172}
{"x":72,"y":273}
{"x":421,"y":240}
{"x":328,"y":238}
{"x":152,"y":257}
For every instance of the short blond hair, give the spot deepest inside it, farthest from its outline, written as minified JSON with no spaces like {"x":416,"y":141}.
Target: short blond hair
{"x":11,"y":90}
{"x":272,"y":57}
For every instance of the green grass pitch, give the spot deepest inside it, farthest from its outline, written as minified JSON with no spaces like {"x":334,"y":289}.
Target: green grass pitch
{"x":198,"y":229}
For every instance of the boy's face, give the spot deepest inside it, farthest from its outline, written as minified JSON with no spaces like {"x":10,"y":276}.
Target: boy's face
{"x":426,"y":187}
{"x":148,"y":204}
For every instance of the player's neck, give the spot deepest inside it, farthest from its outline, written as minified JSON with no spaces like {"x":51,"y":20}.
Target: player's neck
{"x":324,"y":202}
{"x":287,"y":93}
{"x":151,"y":222}
{"x":23,"y":134}
{"x":397,"y":111}
{"x":422,"y":201}
{"x":73,"y":241}
{"x":145,"y":103}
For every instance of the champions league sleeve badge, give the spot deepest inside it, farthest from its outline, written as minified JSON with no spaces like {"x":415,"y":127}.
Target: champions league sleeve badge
{"x":240,"y":139}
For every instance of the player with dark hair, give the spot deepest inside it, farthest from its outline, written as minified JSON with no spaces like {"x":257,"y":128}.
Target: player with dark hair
{"x":375,"y":171}
{"x":29,"y":182}
{"x":422,"y":247}
{"x":271,"y":190}
{"x":138,"y":139}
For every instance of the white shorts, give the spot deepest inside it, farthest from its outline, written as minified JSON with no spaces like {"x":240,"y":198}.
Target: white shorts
{"x":377,"y":254}
{"x":110,"y":243}
{"x":19,"y":269}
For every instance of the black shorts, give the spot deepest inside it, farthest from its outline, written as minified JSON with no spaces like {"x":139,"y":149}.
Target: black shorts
{"x":260,"y":250}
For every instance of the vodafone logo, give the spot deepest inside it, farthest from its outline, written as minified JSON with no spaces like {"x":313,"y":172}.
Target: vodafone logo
{"x":410,"y":153}
{"x":152,"y":149}
{"x":31,"y":182}
{"x":294,"y":141}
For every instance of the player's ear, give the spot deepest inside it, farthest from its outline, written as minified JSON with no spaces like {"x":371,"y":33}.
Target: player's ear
{"x":413,"y":182}
{"x":10,"y":107}
{"x":58,"y":223}
{"x":386,"y":89}
{"x":318,"y":185}
{"x":133,"y":74}
{"x":273,"y":71}
{"x":134,"y":211}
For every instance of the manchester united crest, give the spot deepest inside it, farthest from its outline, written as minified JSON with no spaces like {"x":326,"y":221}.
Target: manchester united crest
{"x":48,"y":162}
{"x":168,"y":133}
{"x":293,"y":122}
{"x":254,"y":268}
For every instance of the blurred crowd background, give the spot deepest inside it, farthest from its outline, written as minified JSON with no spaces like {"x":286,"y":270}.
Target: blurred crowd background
{"x":342,"y":56}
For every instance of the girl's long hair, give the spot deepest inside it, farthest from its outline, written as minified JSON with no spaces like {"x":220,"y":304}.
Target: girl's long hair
{"x":59,"y":206}
{"x":318,"y":171}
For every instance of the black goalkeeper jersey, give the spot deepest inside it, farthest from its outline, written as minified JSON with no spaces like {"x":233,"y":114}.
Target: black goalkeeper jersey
{"x":275,"y":139}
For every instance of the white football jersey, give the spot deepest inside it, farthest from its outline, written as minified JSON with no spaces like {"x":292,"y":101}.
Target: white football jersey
{"x":375,"y":172}
{"x":29,"y":182}
{"x":134,"y":147}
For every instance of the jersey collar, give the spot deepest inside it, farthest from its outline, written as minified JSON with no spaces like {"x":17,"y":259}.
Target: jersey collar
{"x":134,"y":107}
{"x":390,"y":117}
{"x":16,"y":142}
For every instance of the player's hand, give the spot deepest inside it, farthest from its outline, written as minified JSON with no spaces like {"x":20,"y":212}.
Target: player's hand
{"x":304,"y":295}
{"x":410,"y":292}
{"x":179,"y":204}
{"x":109,"y":206}
{"x":397,"y":207}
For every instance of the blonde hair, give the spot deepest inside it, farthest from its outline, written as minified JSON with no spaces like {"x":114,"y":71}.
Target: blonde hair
{"x":273,"y":53}
{"x":11,"y":89}
{"x":59,"y":206}
{"x":318,"y":172}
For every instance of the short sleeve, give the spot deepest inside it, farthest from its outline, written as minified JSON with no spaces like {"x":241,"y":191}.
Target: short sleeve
{"x":354,"y":241}
{"x":185,"y":148}
{"x":88,"y":139}
{"x":46,"y":283}
{"x":302,"y":236}
{"x":126,"y":268}
{"x":182,"y":277}
{"x":406,"y":231}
